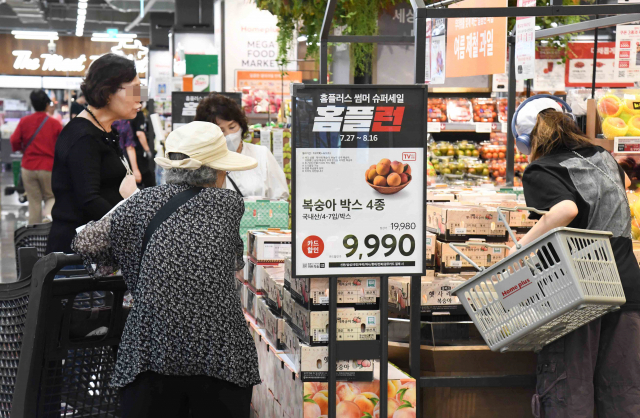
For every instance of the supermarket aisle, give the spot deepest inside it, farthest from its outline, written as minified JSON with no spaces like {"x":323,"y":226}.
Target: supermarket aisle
{"x":13,"y":215}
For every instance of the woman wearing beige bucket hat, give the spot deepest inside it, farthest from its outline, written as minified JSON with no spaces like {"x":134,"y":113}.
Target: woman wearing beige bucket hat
{"x":186,"y":348}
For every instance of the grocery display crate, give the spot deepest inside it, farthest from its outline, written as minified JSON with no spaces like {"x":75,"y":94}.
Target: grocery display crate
{"x":561,"y":281}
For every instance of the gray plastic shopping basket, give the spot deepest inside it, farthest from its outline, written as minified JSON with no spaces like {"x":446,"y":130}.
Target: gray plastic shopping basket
{"x":565,"y":279}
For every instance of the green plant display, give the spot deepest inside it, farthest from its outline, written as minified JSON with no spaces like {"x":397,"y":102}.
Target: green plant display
{"x":357,"y":17}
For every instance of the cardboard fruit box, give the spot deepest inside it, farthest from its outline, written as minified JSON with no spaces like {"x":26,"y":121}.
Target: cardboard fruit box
{"x":312,"y":362}
{"x":313,"y":293}
{"x":272,"y":324}
{"x":455,"y":222}
{"x":312,"y":327}
{"x":263,"y":214}
{"x":435,"y":294}
{"x":482,"y":253}
{"x":270,"y":246}
{"x":274,"y":289}
{"x":361,"y":399}
{"x":431,"y":250}
{"x":257,"y":274}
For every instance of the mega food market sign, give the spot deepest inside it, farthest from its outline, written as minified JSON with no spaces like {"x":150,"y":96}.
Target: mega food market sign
{"x":359,"y":185}
{"x":72,"y":57}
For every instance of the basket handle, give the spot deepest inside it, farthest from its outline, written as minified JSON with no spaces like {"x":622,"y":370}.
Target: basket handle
{"x":453,"y":247}
{"x":515,"y":209}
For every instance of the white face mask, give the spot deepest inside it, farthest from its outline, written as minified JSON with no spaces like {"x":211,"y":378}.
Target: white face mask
{"x":233,"y":140}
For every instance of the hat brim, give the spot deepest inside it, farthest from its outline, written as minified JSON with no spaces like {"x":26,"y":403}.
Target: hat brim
{"x":234,"y":162}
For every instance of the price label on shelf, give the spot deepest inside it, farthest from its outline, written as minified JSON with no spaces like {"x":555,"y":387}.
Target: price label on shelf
{"x":504,"y":127}
{"x":433,"y":127}
{"x":359,"y":190}
{"x":483,"y":127}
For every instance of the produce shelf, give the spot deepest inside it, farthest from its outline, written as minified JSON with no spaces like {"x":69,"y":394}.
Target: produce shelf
{"x":432,"y":127}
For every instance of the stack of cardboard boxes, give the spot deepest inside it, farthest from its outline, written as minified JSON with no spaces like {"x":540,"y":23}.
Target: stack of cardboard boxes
{"x":289,"y":321}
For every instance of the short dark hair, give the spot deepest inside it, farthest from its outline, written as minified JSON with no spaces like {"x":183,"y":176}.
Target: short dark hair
{"x":105,"y":77}
{"x":217,"y":106}
{"x":39,"y":100}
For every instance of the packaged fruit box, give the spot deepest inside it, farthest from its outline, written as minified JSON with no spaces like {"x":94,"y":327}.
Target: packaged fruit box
{"x":484,"y":110}
{"x":312,"y":362}
{"x":482,"y":253}
{"x":455,"y":222}
{"x":459,"y":110}
{"x":431,"y":249}
{"x":361,"y":399}
{"x":312,"y":327}
{"x":444,"y":149}
{"x":437,"y":110}
{"x":619,"y":112}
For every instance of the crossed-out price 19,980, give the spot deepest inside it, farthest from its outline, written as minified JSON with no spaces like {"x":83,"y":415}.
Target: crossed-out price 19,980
{"x":406,"y":244}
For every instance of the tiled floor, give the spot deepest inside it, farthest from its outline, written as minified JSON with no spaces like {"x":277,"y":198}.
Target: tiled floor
{"x":14,"y":215}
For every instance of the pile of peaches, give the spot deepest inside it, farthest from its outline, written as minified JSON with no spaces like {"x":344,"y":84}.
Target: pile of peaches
{"x":361,"y":399}
{"x":388,"y":174}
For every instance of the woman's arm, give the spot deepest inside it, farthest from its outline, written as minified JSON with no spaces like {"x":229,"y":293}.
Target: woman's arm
{"x":93,"y":243}
{"x":276,"y":180}
{"x":131,"y":153}
{"x":561,"y":214}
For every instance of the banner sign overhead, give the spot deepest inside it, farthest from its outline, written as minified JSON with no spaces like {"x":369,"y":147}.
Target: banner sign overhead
{"x":476,"y":46}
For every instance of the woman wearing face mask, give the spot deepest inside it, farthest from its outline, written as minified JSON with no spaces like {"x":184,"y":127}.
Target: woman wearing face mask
{"x":89,"y":174}
{"x":267,"y":180}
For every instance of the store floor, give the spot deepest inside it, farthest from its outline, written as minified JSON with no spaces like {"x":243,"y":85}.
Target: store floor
{"x":13,"y":215}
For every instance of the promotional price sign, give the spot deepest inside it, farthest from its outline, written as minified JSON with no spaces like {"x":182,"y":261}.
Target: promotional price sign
{"x":359,"y":185}
{"x":579,"y":66}
{"x":627,"y":61}
{"x":525,"y":43}
{"x":185,"y":103}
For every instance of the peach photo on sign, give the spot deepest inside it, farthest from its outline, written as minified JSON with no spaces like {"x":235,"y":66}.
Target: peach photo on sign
{"x":388,"y":177}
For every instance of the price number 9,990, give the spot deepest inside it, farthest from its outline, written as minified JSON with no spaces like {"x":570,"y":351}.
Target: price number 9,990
{"x":406,"y":244}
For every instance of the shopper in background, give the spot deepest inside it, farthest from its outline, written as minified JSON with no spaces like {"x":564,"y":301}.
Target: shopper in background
{"x":36,"y":136}
{"x":128,"y":146}
{"x":268,"y":179}
{"x":77,"y":106}
{"x":89,"y":169}
{"x":582,"y":186}
{"x":144,"y":151}
{"x":186,"y":348}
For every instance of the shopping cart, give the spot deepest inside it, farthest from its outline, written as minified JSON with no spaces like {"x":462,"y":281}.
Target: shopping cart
{"x":565,"y":279}
{"x":66,"y":344}
{"x":34,"y":236}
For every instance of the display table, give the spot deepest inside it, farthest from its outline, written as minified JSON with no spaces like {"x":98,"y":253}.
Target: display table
{"x":472,"y":381}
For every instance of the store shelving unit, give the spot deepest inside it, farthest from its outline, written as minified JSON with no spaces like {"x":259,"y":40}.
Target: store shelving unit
{"x":625,"y":13}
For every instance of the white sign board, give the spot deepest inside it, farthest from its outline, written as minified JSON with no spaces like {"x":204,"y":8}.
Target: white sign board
{"x":359,"y":181}
{"x":251,"y":41}
{"x":627,"y":60}
{"x":525,"y":43}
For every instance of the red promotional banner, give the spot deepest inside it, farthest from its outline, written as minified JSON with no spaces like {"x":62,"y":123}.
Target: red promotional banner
{"x":579,"y":66}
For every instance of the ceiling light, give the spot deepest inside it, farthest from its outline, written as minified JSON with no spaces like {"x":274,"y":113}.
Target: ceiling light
{"x":35,"y":35}
{"x":82,"y":12}
{"x":116,"y":36}
{"x":82,"y":5}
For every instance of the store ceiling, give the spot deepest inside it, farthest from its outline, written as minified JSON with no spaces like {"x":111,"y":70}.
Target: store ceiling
{"x":61,"y":15}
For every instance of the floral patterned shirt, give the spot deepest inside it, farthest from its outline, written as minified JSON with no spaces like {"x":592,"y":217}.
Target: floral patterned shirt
{"x":187,"y":317}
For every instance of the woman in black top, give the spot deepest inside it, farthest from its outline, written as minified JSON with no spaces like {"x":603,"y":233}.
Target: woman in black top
{"x":582,"y":186}
{"x":89,"y":170}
